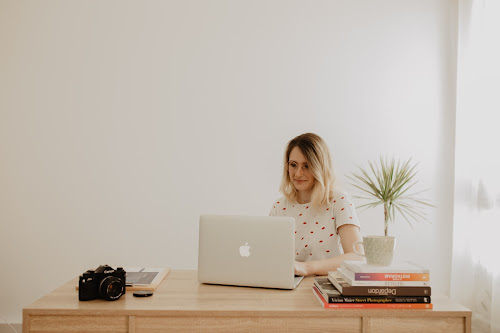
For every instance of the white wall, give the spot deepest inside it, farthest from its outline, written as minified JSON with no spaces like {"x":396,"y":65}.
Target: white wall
{"x":121,"y":122}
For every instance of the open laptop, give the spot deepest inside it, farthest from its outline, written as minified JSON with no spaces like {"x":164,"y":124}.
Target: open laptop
{"x":252,"y":251}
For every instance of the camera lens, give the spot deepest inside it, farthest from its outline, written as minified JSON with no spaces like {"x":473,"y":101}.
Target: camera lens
{"x":111,"y":288}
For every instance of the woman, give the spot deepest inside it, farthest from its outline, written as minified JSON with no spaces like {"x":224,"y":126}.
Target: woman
{"x":326,"y":223}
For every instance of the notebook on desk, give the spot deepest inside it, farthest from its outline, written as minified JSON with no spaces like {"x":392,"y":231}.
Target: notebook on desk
{"x":252,"y":251}
{"x":144,"y":278}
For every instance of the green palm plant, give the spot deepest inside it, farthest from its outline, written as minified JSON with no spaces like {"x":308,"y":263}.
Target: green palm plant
{"x":389,"y":184}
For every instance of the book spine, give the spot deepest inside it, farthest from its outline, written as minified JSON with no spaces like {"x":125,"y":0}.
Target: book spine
{"x":356,"y":268}
{"x":378,"y":283}
{"x":346,"y":290}
{"x":369,"y":306}
{"x":379,"y":306}
{"x":391,"y":276}
{"x":378,"y":299}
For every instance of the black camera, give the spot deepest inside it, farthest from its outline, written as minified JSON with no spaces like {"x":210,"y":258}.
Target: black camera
{"x":104,"y":283}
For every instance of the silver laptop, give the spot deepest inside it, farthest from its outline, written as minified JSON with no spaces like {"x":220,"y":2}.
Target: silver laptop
{"x":253,"y":251}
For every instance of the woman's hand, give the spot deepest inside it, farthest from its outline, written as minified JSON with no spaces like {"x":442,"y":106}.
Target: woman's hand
{"x":301,"y":268}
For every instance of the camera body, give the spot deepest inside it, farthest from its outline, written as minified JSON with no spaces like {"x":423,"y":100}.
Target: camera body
{"x":102,"y":283}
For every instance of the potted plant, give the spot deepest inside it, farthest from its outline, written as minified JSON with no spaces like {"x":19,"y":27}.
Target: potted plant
{"x":388,"y":183}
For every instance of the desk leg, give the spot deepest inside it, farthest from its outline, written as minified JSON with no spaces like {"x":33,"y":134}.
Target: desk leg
{"x":131,"y":324}
{"x":26,"y":323}
{"x":468,"y":324}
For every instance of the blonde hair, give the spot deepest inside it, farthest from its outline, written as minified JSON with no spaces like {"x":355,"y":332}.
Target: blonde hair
{"x":318,"y":157}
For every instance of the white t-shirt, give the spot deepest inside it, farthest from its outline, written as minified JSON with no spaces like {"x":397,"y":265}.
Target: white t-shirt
{"x":316,"y":235}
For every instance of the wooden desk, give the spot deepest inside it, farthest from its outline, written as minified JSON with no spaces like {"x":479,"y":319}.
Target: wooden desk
{"x":181,"y":304}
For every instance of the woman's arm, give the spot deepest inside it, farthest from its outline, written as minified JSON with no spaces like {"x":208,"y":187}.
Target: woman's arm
{"x":348,"y":234}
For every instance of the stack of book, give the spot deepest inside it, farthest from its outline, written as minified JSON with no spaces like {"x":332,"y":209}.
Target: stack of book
{"x":359,"y":285}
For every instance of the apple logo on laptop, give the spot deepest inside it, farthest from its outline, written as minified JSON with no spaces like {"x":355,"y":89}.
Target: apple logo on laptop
{"x":245,"y":250}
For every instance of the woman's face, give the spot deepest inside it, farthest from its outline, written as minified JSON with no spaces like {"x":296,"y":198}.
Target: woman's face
{"x":298,"y":170}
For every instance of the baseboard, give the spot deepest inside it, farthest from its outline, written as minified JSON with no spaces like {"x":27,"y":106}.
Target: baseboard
{"x":4,"y":328}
